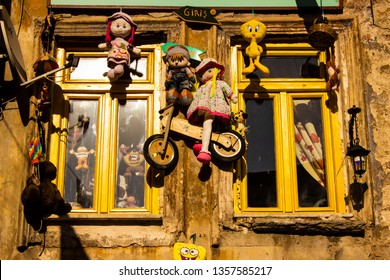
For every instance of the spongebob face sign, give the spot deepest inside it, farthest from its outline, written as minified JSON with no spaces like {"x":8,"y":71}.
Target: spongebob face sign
{"x":188,"y":252}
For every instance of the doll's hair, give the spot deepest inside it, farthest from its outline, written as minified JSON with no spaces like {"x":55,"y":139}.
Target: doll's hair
{"x":108,"y":33}
{"x":176,"y":56}
{"x":215,"y":78}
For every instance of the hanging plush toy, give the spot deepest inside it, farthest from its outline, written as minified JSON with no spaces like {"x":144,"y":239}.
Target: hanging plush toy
{"x":41,"y":198}
{"x":333,"y":72}
{"x":119,"y":39}
{"x":210,"y":104}
{"x":179,"y":77}
{"x":253,"y":31}
{"x":238,"y":123}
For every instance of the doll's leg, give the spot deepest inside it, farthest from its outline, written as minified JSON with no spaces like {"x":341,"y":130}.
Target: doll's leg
{"x":119,"y":70}
{"x":260,"y":66}
{"x":204,"y":155}
{"x":250,"y":68}
{"x":115,"y":72}
{"x":185,"y":97}
{"x":172,"y":95}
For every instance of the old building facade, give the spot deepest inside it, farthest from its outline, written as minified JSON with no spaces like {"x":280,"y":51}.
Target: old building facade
{"x":267,"y":204}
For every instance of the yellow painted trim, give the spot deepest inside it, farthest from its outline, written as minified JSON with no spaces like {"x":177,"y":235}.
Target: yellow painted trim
{"x":283,"y":91}
{"x":106,"y":135}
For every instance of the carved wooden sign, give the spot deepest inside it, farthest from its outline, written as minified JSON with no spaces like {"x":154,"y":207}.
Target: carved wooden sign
{"x":196,"y":14}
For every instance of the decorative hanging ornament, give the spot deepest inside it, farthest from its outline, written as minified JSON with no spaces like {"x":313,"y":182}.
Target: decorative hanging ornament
{"x":35,"y":149}
{"x":321,"y":34}
{"x":254,"y":31}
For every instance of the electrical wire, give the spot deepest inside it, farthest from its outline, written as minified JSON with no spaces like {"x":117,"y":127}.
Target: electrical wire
{"x":21,"y":17}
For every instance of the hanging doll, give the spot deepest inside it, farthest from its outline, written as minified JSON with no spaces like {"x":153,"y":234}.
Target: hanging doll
{"x":179,"y":77}
{"x":210,"y":104}
{"x":119,"y":38}
{"x":253,"y":31}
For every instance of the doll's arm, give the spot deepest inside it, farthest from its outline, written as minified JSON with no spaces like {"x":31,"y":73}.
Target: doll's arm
{"x":190,"y":75}
{"x":134,"y":49}
{"x":103,"y":46}
{"x":234,"y":98}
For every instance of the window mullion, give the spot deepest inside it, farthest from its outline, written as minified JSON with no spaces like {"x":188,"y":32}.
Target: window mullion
{"x":286,"y":184}
{"x":103,"y":162}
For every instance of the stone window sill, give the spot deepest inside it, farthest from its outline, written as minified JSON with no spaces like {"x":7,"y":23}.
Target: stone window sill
{"x":105,"y":219}
{"x":331,"y":225}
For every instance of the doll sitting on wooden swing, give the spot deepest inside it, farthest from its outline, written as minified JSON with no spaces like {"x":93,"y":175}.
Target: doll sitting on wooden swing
{"x":210,"y":104}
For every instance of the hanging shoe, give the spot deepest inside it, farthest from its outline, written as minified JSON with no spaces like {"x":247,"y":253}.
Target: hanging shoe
{"x":197,"y":148}
{"x":204,"y":157}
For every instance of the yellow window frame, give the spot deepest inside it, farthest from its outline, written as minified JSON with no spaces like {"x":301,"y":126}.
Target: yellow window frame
{"x":283,"y":91}
{"x":106,"y":135}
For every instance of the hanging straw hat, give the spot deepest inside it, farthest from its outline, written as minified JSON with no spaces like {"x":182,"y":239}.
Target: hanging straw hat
{"x":209,"y":63}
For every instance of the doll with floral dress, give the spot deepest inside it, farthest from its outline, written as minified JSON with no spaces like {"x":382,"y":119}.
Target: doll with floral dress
{"x":210,"y":104}
{"x":119,"y":39}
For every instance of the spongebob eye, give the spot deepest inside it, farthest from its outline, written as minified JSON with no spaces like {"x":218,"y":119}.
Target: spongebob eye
{"x":184,"y":251}
{"x":250,"y":28}
{"x":194,"y":252}
{"x":257,"y":28}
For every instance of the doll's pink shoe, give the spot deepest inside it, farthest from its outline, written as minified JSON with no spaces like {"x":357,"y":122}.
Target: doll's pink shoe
{"x":204,"y":157}
{"x":197,"y":148}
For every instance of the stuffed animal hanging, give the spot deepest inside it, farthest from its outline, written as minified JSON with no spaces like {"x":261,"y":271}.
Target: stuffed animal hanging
{"x":180,"y":76}
{"x":238,"y":123}
{"x":254,"y":31}
{"x":333,"y":72}
{"x":41,"y":198}
{"x":210,"y":104}
{"x":119,"y":39}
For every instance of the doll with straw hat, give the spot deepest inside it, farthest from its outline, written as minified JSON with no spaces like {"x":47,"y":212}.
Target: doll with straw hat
{"x":210,"y":104}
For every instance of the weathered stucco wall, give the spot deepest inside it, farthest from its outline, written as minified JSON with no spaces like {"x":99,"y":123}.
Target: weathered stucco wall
{"x":197,"y":200}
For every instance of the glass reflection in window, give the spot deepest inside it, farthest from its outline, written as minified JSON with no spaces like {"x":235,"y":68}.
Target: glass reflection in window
{"x":261,"y":173}
{"x":130,"y":190}
{"x":93,"y":68}
{"x":80,"y":153}
{"x":288,"y":67}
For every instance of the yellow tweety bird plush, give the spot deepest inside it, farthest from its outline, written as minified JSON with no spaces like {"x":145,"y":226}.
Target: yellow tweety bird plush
{"x":254,"y":31}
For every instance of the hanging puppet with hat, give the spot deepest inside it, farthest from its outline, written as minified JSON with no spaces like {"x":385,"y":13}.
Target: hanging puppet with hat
{"x":119,"y":39}
{"x":211,"y":104}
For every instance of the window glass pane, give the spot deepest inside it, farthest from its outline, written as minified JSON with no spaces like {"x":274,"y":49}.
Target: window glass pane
{"x":80,"y":155}
{"x":289,"y":67}
{"x":261,"y":175}
{"x":130,"y":191}
{"x":312,"y":191}
{"x":92,"y":68}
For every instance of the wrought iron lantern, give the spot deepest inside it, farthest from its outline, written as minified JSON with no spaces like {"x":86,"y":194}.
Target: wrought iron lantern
{"x":357,"y":153}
